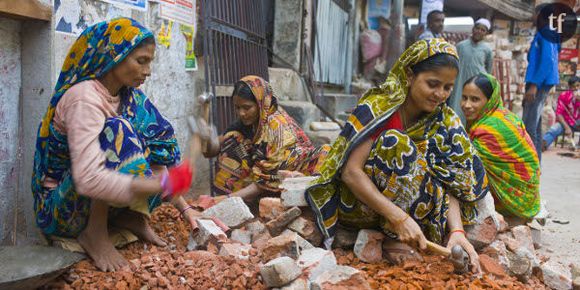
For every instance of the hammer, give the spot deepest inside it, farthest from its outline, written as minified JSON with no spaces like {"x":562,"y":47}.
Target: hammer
{"x":457,"y":256}
{"x":205,"y":100}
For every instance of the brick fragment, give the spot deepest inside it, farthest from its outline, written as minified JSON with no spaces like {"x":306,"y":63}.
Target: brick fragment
{"x":520,"y":266}
{"x":482,"y":234}
{"x":280,"y":272}
{"x":270,"y":208}
{"x":301,"y":283}
{"x":278,"y":225}
{"x":491,"y":266}
{"x":208,"y":232}
{"x":342,"y":277}
{"x":306,"y":229}
{"x":556,"y":275}
{"x":283,"y":245}
{"x":523,"y":237}
{"x":302,"y":243}
{"x":316,"y":261}
{"x":241,"y":236}
{"x":293,"y":190}
{"x":498,"y":251}
{"x":369,"y":246}
{"x":344,"y":238}
{"x":238,"y":251}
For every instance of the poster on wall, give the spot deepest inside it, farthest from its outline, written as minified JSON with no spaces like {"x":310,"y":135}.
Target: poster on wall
{"x":181,"y":11}
{"x":190,"y":59}
{"x":428,"y":6}
{"x":72,"y":20}
{"x":140,"y":5}
{"x":68,"y":19}
{"x":376,"y":9}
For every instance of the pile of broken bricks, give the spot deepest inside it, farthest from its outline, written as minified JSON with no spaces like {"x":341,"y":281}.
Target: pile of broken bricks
{"x":278,"y":246}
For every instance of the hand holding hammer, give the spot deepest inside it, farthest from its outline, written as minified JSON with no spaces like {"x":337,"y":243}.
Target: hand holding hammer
{"x":457,"y":255}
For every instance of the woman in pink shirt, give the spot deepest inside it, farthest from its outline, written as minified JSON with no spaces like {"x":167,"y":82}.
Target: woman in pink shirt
{"x":567,"y":114}
{"x":103,"y":148}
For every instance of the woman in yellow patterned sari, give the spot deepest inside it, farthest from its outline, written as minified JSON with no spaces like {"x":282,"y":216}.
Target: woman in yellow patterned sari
{"x":404,"y":163}
{"x":262,"y":143}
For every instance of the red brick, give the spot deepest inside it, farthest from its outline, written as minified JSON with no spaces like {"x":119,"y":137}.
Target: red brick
{"x":284,"y":245}
{"x":491,"y":266}
{"x":523,"y":238}
{"x":270,"y":208}
{"x":369,"y":246}
{"x":307,"y":229}
{"x":483,"y":234}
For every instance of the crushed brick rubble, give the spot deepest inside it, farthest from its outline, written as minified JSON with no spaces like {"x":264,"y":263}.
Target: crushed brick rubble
{"x":173,"y":267}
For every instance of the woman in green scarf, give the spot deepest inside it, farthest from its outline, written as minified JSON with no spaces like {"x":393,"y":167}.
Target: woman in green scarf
{"x":404,"y":163}
{"x":505,"y":148}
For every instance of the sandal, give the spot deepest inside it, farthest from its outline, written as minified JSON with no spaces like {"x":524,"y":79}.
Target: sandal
{"x":397,"y":253}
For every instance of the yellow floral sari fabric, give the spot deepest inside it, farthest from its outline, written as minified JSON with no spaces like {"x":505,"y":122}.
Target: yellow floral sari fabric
{"x":255,"y":156}
{"x":417,"y":169}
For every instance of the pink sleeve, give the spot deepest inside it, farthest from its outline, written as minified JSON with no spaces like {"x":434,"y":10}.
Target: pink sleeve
{"x":84,"y":121}
{"x":562,"y":103}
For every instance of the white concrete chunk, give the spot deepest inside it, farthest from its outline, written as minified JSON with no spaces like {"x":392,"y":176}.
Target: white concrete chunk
{"x":556,"y":276}
{"x":241,"y":236}
{"x":280,"y":272}
{"x":231,"y":211}
{"x":208,"y":232}
{"x":293,"y":190}
{"x":302,"y":243}
{"x":342,"y":277}
{"x":316,"y":261}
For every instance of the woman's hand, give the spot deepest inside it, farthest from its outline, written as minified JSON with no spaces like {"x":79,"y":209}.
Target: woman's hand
{"x":458,"y":238}
{"x":410,"y":233}
{"x":190,"y":215}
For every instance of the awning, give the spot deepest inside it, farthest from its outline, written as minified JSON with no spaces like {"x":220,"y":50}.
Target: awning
{"x":516,"y":9}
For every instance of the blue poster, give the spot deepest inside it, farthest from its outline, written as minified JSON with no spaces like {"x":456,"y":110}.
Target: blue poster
{"x":376,"y":9}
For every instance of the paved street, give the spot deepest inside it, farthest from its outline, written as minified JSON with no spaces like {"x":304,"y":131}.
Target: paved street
{"x":560,"y":185}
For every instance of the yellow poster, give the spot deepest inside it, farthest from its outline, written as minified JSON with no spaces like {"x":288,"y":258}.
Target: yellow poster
{"x":190,"y":59}
{"x":164,"y":34}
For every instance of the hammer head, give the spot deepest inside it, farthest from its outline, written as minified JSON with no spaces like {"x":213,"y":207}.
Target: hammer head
{"x":460,"y":259}
{"x":205,"y":98}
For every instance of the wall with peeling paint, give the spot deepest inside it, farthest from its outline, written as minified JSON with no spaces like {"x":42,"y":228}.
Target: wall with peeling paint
{"x":10,"y":84}
{"x":31,"y":55}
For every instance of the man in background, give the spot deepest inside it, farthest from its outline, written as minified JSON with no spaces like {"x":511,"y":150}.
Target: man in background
{"x":475,"y":57}
{"x":434,"y":29}
{"x":541,"y":75}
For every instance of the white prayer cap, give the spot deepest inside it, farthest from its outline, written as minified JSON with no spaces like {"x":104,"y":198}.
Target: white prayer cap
{"x":483,"y":22}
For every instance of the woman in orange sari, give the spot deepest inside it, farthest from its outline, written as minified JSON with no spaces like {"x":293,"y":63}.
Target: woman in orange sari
{"x":262,"y":142}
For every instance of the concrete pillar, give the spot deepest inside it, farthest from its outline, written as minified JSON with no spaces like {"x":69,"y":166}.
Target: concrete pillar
{"x":288,"y":32}
{"x":10,"y":85}
{"x":397,"y":37}
{"x":37,"y":88}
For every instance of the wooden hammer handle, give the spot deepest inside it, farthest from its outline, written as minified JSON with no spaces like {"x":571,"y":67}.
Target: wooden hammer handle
{"x":437,"y":249}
